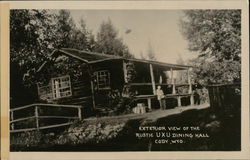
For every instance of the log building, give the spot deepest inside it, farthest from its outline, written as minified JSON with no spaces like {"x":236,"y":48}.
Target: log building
{"x":99,"y":75}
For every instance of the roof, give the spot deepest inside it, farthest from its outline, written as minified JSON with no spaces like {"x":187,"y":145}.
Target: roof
{"x":94,"y":57}
{"x":88,"y":57}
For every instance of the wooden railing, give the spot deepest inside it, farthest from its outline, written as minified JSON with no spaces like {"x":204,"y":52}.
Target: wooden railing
{"x":37,"y":117}
{"x":177,"y":96}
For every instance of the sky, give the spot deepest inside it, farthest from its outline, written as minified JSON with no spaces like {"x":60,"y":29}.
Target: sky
{"x":160,"y":28}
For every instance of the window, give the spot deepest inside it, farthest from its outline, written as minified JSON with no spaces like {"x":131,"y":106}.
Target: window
{"x":61,"y":87}
{"x":103,"y":79}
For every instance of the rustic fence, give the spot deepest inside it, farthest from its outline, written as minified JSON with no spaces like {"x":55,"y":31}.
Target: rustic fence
{"x":225,"y":97}
{"x":32,"y":116}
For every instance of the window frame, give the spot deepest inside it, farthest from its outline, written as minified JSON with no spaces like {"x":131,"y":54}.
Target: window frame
{"x":61,"y":87}
{"x":105,"y":82}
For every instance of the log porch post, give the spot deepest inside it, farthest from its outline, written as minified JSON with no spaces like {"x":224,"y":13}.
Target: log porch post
{"x":125,"y":72}
{"x":149,"y":103}
{"x":179,"y":101}
{"x":93,"y":93}
{"x":152,"y":78}
{"x":189,"y":82}
{"x":92,"y":86}
{"x":190,"y":88}
{"x":172,"y":81}
{"x":79,"y":113}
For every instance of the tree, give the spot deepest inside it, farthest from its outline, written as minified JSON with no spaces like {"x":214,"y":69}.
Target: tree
{"x":181,"y":75}
{"x":31,"y":39}
{"x":85,"y":37}
{"x":65,"y":29}
{"x":72,"y":36}
{"x":216,"y":36}
{"x":108,"y":42}
{"x":150,"y":52}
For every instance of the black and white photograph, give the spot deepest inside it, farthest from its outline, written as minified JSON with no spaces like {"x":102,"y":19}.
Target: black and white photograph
{"x":85,"y":80}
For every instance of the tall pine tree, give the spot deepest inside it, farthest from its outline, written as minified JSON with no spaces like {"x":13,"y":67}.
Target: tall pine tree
{"x":216,"y":36}
{"x":108,"y":42}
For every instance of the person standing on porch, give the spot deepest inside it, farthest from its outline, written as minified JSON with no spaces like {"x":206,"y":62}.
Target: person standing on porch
{"x":160,"y":97}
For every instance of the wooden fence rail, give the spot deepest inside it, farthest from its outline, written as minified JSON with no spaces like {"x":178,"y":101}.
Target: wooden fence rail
{"x":37,"y":117}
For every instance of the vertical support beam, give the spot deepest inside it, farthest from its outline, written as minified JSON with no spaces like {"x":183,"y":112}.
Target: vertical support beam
{"x":172,"y":82}
{"x":125,"y":72}
{"x":53,"y":88}
{"x":190,"y":88}
{"x":179,"y":101}
{"x":79,"y":113}
{"x":174,"y":90}
{"x":189,"y":81}
{"x":37,"y":117}
{"x":152,"y":78}
{"x":38,"y":89}
{"x":191,"y":99}
{"x":11,"y":119}
{"x":92,"y":86}
{"x":149,"y":103}
{"x":93,"y":92}
{"x":172,"y":75}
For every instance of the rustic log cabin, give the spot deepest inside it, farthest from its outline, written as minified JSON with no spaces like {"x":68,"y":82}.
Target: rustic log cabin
{"x":96,"y":76}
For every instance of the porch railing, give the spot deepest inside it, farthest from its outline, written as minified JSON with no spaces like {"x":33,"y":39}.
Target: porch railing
{"x":37,"y":117}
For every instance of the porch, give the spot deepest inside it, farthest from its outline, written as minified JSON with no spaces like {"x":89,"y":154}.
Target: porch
{"x":160,"y":74}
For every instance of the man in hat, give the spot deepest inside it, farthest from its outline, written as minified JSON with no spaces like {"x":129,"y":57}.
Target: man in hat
{"x":160,"y":97}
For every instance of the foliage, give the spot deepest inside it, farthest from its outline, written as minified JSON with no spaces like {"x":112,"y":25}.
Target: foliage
{"x":216,"y":36}
{"x":107,"y":41}
{"x":26,"y":139}
{"x":181,"y":75}
{"x":30,"y":40}
{"x":120,"y":103}
{"x":131,"y":74}
{"x":216,"y":72}
{"x":96,"y":133}
{"x":71,"y":36}
{"x":35,"y":33}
